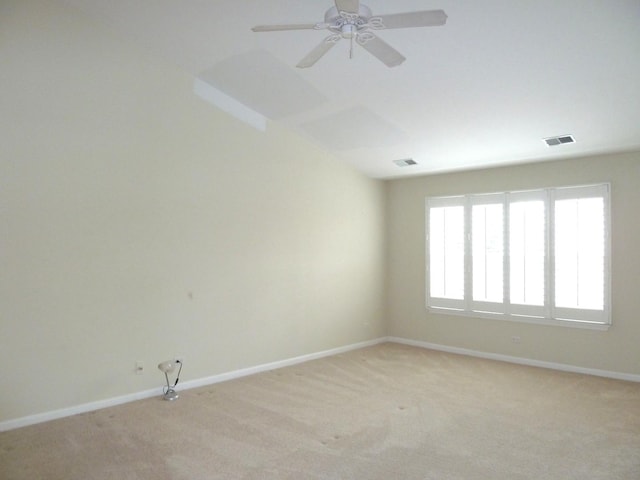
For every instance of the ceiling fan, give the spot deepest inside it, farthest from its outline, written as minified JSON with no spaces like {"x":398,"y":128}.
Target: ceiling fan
{"x":351,"y":20}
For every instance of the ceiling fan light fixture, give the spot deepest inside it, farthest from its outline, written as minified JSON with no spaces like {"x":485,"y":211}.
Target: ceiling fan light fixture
{"x":348,"y":30}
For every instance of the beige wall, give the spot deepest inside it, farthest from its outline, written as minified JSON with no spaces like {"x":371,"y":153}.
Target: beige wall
{"x":138,"y":222}
{"x":615,"y":350}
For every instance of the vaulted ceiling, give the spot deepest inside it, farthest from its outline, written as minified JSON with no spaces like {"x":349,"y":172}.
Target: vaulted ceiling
{"x":482,"y":90}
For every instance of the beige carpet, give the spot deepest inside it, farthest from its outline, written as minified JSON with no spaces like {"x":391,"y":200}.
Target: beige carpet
{"x":385,"y":412}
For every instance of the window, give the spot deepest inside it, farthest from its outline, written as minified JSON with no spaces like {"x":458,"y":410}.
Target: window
{"x":539,"y":256}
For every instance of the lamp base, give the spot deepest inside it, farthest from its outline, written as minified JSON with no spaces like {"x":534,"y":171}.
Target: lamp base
{"x":171,"y":395}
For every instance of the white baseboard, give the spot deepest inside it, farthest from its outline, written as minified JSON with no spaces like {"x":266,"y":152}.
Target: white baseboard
{"x":111,"y":402}
{"x":223,"y":377}
{"x":630,"y":377}
{"x":76,"y":409}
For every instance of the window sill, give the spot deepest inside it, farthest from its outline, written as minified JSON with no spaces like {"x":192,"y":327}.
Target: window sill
{"x":522,"y":319}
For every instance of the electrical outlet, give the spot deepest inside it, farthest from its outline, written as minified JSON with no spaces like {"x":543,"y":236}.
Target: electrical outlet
{"x":139,"y":369}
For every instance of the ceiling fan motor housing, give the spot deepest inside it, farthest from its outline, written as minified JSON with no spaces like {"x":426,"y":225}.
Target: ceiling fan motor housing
{"x":347,"y":24}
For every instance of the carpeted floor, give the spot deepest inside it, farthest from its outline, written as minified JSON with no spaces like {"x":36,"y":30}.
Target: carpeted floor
{"x":384,"y":412}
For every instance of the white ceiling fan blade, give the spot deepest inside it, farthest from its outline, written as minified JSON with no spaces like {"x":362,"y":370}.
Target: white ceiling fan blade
{"x":317,"y":53}
{"x":349,"y":6}
{"x":380,"y":49}
{"x":425,"y":18}
{"x":278,"y":28}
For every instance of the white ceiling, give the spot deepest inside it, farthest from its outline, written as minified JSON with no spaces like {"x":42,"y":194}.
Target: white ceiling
{"x":482,"y":90}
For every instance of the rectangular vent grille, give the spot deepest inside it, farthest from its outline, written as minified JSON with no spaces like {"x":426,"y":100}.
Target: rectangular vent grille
{"x":553,"y":141}
{"x":405,"y":163}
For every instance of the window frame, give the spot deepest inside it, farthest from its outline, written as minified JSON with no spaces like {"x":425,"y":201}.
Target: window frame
{"x":548,"y":313}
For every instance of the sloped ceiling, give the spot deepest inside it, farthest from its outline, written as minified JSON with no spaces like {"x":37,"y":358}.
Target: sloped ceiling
{"x":483,"y":90}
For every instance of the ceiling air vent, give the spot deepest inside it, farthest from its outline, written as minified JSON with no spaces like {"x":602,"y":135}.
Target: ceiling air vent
{"x":405,"y":163}
{"x":553,"y":141}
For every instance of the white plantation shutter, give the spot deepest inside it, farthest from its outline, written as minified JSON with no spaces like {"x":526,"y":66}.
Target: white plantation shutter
{"x":540,"y":254}
{"x":580,"y":253}
{"x":445,"y":231}
{"x":487,"y":252}
{"x":527,"y":253}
